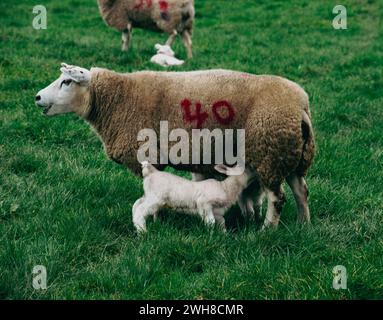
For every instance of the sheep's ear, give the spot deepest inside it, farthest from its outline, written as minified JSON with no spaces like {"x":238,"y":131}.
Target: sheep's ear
{"x":77,"y":74}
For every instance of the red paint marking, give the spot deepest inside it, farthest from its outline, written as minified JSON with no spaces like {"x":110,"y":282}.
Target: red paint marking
{"x":199,"y":116}
{"x":225,"y":120}
{"x":164,"y":5}
{"x":140,"y":4}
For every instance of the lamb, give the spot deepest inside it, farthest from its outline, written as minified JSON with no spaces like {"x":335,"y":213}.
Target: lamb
{"x":165,"y":57}
{"x":209,"y":198}
{"x":274,"y":112}
{"x":170,"y":16}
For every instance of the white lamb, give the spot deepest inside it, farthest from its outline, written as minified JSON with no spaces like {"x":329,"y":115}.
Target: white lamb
{"x":165,"y":56}
{"x":208,"y":198}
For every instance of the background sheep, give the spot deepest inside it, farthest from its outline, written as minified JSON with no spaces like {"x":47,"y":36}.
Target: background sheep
{"x":272,"y":110}
{"x":170,"y":16}
{"x":209,"y":198}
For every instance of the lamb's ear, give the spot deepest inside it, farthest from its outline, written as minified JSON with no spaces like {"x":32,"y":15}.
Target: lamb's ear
{"x":77,"y":74}
{"x":221,"y":168}
{"x":235,"y":171}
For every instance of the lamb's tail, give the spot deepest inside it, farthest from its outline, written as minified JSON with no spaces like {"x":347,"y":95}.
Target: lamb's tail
{"x":147,"y":168}
{"x":308,"y":150}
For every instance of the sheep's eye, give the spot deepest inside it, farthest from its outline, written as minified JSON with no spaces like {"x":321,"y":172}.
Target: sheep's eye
{"x":66,"y":82}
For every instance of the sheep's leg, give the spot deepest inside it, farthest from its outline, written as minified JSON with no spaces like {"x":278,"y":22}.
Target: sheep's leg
{"x":243,"y":205}
{"x":172,"y":38}
{"x":141,"y":211}
{"x":258,"y":204}
{"x":126,"y":36}
{"x":187,"y":40}
{"x":276,"y":200}
{"x":250,"y":201}
{"x":219,"y":218}
{"x":299,"y":188}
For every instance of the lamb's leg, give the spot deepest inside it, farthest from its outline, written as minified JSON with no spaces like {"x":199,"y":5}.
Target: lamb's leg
{"x":126,"y":36}
{"x":276,"y":200}
{"x":219,"y":218}
{"x":172,"y":38}
{"x":137,"y":204}
{"x":141,"y":211}
{"x":206,"y":213}
{"x":299,"y":188}
{"x":187,"y":40}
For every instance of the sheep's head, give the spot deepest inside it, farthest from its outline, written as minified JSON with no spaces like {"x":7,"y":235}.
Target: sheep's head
{"x":69,"y":93}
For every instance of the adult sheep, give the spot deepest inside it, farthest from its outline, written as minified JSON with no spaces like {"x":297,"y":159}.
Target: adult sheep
{"x":170,"y":16}
{"x":274,"y":112}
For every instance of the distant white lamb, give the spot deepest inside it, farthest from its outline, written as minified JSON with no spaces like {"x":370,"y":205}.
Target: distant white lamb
{"x":165,"y":56}
{"x":208,"y":198}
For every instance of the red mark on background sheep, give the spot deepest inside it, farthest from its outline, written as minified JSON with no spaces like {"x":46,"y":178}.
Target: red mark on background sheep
{"x":229,"y":114}
{"x":164,"y":5}
{"x":199,"y":116}
{"x":141,"y":3}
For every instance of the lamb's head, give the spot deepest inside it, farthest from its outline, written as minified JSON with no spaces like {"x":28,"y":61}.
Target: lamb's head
{"x":165,"y":49}
{"x":69,"y":93}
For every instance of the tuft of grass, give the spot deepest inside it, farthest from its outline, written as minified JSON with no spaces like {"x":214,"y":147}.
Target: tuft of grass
{"x":64,"y":205}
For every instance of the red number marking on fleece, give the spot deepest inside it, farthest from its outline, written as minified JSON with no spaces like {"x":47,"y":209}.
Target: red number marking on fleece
{"x":199,"y":116}
{"x":230,"y":112}
{"x":164,"y":5}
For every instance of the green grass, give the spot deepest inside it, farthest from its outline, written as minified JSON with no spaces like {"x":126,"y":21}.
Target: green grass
{"x":64,"y":205}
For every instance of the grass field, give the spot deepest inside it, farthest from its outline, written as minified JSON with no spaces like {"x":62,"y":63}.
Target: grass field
{"x":64,"y":205}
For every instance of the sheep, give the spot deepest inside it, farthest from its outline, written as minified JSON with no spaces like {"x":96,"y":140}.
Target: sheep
{"x":165,"y":57}
{"x":170,"y":16}
{"x":274,"y":112}
{"x":208,"y":198}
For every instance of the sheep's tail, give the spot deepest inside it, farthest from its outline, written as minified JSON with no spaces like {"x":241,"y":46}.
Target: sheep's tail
{"x":308,"y":150}
{"x":147,"y":168}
